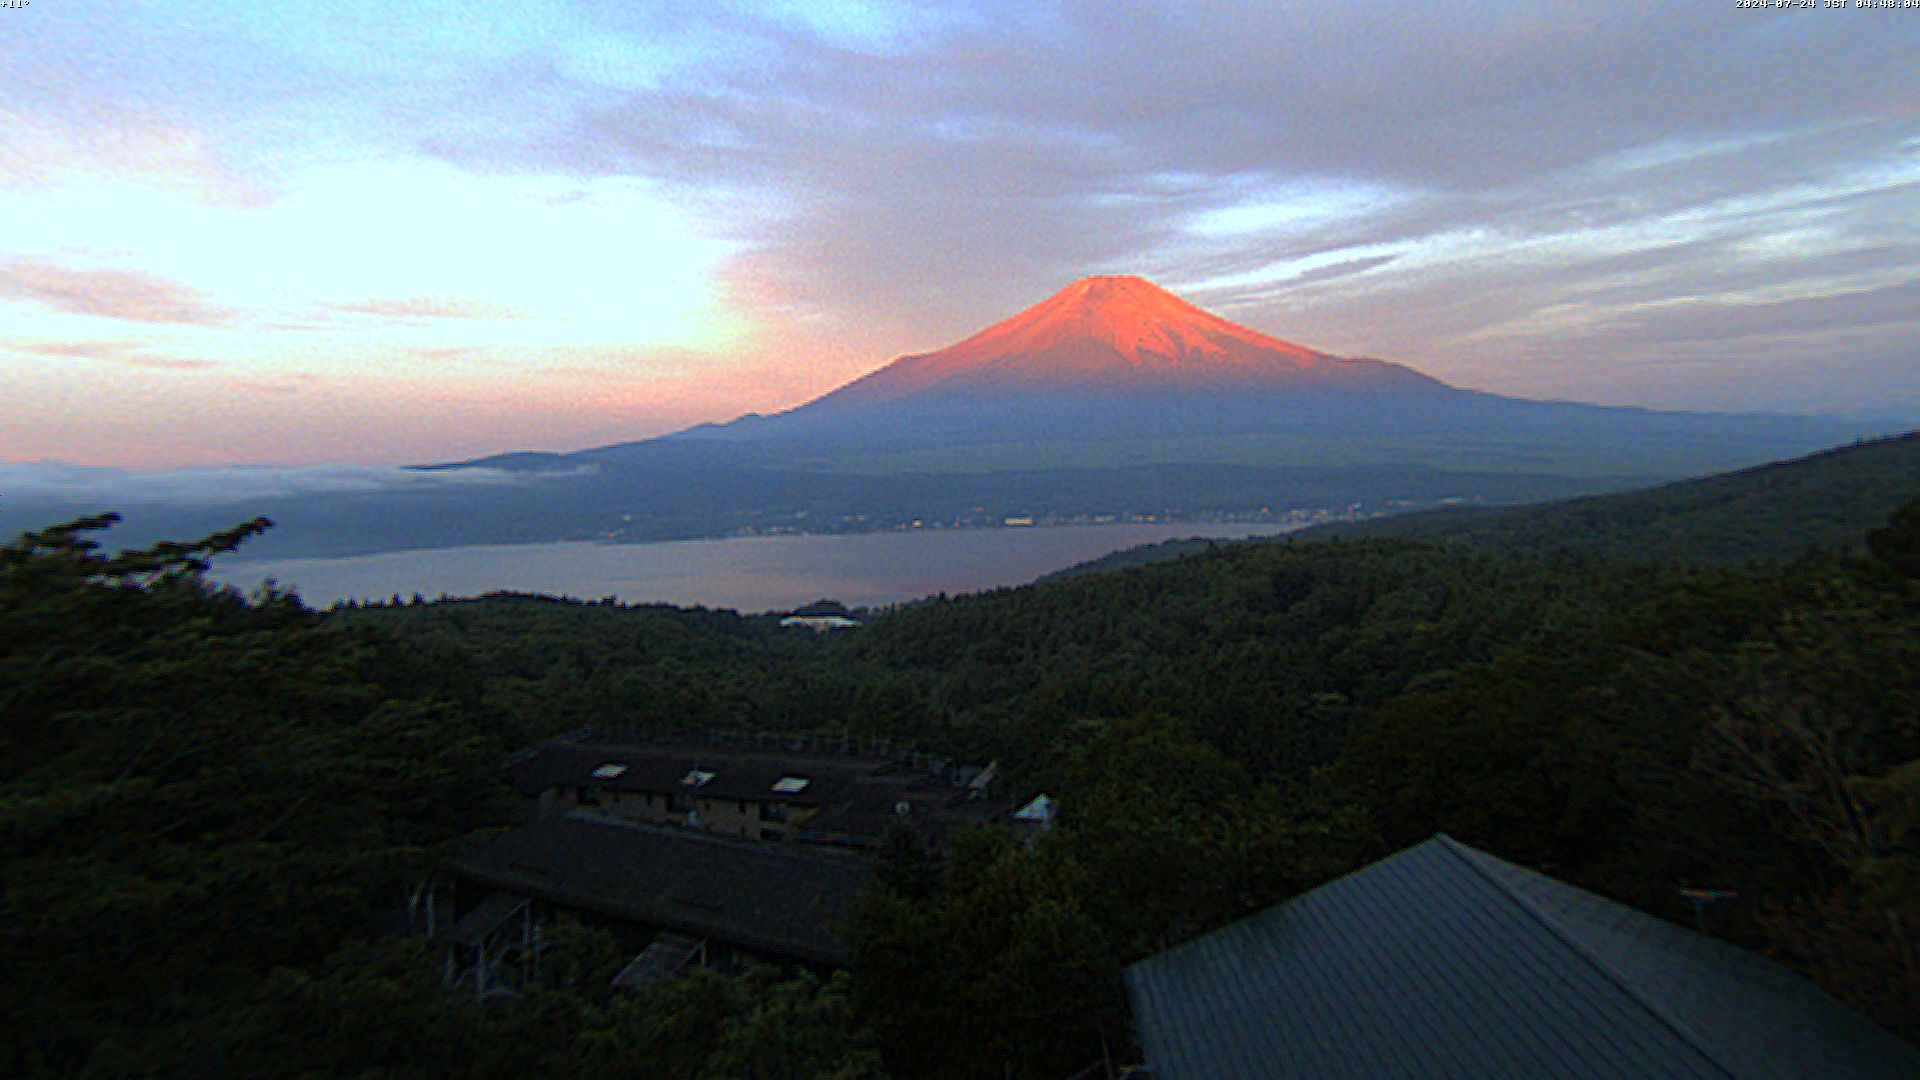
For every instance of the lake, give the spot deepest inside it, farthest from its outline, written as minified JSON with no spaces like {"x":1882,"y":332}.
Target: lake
{"x":764,"y":573}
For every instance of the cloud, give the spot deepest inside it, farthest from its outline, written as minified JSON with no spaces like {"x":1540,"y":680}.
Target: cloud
{"x":109,"y":486}
{"x":431,"y":308}
{"x":1369,"y":177}
{"x":1344,"y":268}
{"x":68,"y":140}
{"x":1630,"y":203}
{"x":288,"y":385}
{"x":113,"y":352}
{"x":127,"y":295}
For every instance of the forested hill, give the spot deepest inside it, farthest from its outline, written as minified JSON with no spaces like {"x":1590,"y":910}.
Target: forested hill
{"x":1781,"y":510}
{"x":212,"y":805}
{"x":1826,"y":500}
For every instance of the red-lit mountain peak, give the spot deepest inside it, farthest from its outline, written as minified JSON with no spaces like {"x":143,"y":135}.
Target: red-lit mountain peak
{"x":1111,"y":334}
{"x":1139,"y":320}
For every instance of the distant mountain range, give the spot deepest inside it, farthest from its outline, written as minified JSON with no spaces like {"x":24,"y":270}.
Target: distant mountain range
{"x":1111,"y":399}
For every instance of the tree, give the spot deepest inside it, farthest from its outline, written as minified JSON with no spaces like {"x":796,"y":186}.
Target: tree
{"x":201,"y":788}
{"x":1004,"y":967}
{"x":1812,"y":734}
{"x":1897,"y":544}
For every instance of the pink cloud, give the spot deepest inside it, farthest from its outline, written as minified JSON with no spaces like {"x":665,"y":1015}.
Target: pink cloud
{"x":50,"y":149}
{"x":109,"y":294}
{"x":285,"y":384}
{"x":427,"y":307}
{"x":114,"y":352}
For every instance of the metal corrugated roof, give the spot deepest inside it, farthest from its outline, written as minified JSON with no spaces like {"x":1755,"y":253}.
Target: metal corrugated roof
{"x":1443,"y":961}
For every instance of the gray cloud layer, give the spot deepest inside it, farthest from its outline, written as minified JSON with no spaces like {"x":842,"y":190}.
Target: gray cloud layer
{"x":237,"y":483}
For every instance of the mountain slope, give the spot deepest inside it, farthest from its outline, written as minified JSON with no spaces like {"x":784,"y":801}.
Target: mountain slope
{"x":1112,"y":398}
{"x":1115,"y":371}
{"x":1825,"y":501}
{"x":1116,"y":334}
{"x":1780,"y":510}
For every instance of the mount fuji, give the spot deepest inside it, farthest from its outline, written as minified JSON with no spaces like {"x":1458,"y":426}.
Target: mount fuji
{"x":1112,"y":399}
{"x":1116,"y":371}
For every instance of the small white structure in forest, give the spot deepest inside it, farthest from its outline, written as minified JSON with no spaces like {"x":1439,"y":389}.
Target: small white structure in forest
{"x":821,"y":616}
{"x":1041,"y":811}
{"x":820,"y":624}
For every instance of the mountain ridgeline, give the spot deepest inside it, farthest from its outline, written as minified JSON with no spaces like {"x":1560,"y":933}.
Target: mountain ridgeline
{"x":1117,"y":372}
{"x":1779,"y":510}
{"x":1112,"y":398}
{"x":1782,"y":510}
{"x":1112,"y":362}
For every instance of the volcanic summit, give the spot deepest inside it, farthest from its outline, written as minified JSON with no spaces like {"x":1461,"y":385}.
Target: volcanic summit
{"x":1110,"y":397}
{"x":1085,"y":399}
{"x":1118,"y":334}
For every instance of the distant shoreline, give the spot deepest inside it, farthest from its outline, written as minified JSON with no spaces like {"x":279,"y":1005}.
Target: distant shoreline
{"x":744,"y":573}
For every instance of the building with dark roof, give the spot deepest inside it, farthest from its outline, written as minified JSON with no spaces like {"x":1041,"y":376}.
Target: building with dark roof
{"x":1444,"y":961}
{"x":767,"y":901}
{"x":821,"y":616}
{"x":752,"y":793}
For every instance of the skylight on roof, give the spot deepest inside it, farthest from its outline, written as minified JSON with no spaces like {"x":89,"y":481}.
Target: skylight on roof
{"x":697,"y":777}
{"x":608,"y":771}
{"x":791,"y":785}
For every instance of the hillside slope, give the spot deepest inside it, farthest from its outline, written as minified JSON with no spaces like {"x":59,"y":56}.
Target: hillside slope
{"x":1827,"y":500}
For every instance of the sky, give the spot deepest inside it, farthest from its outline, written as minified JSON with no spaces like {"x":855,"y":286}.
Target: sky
{"x":320,"y":233}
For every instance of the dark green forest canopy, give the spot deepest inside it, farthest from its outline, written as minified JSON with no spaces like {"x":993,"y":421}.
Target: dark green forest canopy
{"x":213,"y":803}
{"x":212,"y":807}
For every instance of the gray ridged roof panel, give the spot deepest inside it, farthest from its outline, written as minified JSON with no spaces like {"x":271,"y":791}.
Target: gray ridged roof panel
{"x":1763,"y":1020}
{"x":1438,"y":963}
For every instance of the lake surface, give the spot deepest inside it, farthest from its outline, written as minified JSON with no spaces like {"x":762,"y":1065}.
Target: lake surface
{"x":769,"y":573}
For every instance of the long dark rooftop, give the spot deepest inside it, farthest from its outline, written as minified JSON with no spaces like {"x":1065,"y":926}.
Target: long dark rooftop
{"x":1446,"y":962}
{"x":777,"y":899}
